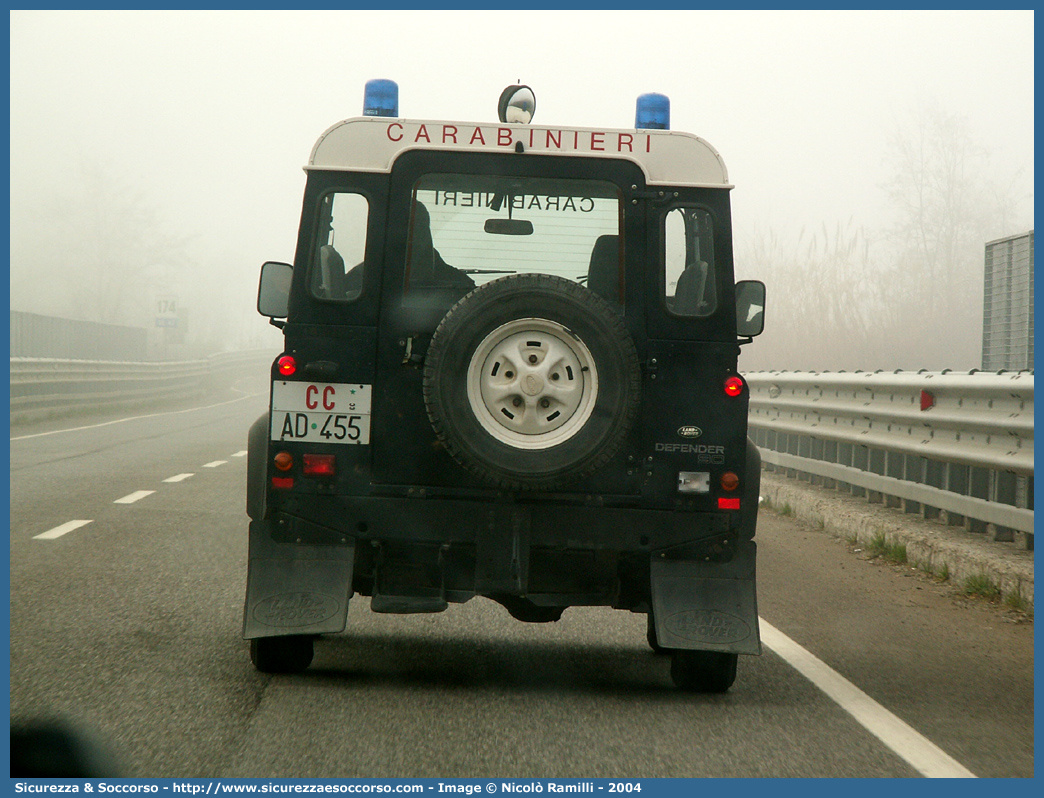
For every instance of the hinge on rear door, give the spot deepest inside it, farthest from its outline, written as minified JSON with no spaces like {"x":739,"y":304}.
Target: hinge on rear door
{"x":409,"y":357}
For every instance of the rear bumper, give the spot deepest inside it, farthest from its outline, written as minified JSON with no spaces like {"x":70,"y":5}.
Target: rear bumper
{"x":416,"y":555}
{"x":590,"y":525}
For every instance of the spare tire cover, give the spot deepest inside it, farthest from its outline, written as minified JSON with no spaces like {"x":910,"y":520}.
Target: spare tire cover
{"x":531,"y":381}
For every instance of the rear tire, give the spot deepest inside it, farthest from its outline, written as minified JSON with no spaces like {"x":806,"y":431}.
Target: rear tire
{"x":703,"y":671}
{"x":286,"y":654}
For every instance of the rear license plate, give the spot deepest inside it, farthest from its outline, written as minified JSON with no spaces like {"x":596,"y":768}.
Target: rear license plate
{"x":320,"y":412}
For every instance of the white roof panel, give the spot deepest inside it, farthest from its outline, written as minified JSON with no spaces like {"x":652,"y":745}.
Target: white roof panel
{"x":371,"y":144}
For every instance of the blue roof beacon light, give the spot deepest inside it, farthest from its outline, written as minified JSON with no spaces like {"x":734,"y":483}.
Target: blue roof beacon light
{"x":381,"y":98}
{"x":653,"y":112}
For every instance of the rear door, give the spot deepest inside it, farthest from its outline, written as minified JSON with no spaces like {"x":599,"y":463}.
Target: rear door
{"x":326,"y":405}
{"x":457,"y":221}
{"x":690,"y":310}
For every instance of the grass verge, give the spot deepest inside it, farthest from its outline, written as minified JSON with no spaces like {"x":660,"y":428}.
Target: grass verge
{"x":1014,"y":601}
{"x":879,"y":546}
{"x":982,"y":586}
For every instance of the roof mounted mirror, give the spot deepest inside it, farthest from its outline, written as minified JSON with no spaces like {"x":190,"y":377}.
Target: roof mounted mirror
{"x":517,"y":104}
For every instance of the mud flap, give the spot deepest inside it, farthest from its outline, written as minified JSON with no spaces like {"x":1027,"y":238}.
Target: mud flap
{"x":295,"y":589}
{"x":707,"y":606}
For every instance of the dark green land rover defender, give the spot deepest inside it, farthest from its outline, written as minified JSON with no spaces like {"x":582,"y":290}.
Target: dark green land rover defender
{"x":510,"y":372}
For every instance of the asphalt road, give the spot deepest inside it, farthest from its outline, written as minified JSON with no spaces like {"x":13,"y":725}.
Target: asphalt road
{"x":130,"y":626}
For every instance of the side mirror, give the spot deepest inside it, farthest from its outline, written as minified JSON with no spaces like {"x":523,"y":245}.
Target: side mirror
{"x":273,"y":295}
{"x":750,"y":308}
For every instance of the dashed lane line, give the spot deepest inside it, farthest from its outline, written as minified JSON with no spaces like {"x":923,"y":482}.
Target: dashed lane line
{"x":240,"y":453}
{"x":58,"y":531}
{"x":178,"y":477}
{"x":130,"y":498}
{"x":921,"y":753}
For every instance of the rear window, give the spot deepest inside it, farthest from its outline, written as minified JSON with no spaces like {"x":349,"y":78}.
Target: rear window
{"x":337,"y":267}
{"x":466,"y":230}
{"x":689,"y":276}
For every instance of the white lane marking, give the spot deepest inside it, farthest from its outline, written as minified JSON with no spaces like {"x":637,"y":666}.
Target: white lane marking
{"x":58,"y":531}
{"x":240,"y":453}
{"x":130,"y":498}
{"x":214,"y":463}
{"x":178,"y":477}
{"x":921,"y":753}
{"x":134,"y":418}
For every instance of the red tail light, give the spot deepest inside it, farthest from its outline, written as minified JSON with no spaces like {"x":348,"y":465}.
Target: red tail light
{"x":283,"y":482}
{"x":728,"y":504}
{"x":319,"y":465}
{"x":734,"y":386}
{"x":287,"y":365}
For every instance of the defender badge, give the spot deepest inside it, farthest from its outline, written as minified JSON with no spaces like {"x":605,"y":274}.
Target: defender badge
{"x":690,"y":432}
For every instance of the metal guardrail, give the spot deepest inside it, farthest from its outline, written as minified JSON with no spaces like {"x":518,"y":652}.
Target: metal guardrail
{"x":957,"y":448}
{"x":952,"y":447}
{"x":47,"y":386}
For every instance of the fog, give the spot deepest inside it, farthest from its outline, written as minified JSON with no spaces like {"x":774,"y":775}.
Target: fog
{"x":157,"y":155}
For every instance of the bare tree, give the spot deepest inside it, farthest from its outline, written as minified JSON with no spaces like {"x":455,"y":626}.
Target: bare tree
{"x":102,"y":249}
{"x":946,"y":204}
{"x":124,"y":249}
{"x":96,"y":250}
{"x":907,"y":297}
{"x":824,"y":300}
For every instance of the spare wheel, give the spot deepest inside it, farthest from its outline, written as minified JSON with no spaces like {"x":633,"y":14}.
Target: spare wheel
{"x":531,"y":381}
